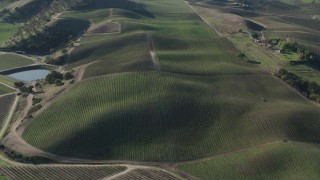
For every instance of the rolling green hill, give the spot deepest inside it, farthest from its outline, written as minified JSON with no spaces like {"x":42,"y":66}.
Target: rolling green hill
{"x":290,"y":160}
{"x":166,"y":117}
{"x":204,"y":102}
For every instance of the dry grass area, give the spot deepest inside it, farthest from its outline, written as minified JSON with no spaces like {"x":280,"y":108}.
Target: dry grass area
{"x":225,"y":22}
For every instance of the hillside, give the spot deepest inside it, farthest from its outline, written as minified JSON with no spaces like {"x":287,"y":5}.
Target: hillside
{"x":160,"y":89}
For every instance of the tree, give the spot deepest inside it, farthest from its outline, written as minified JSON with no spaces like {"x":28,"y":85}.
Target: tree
{"x":67,"y":76}
{"x":54,"y":75}
{"x":18,"y":84}
{"x":255,"y":35}
{"x":241,"y":56}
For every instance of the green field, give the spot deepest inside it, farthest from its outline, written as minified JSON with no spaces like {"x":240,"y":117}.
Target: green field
{"x":6,"y":81}
{"x":9,"y":61}
{"x":6,"y":31}
{"x":165,"y":117}
{"x":5,"y":89}
{"x":280,"y":160}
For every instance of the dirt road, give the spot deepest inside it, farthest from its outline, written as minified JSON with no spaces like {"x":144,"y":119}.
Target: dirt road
{"x":153,"y":54}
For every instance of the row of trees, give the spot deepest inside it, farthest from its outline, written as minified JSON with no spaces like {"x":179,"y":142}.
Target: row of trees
{"x":309,"y":89}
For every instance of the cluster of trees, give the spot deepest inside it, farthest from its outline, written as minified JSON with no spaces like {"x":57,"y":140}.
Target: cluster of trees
{"x":35,"y":17}
{"x":54,"y":78}
{"x":52,"y":38}
{"x":57,"y":78}
{"x":309,"y":89}
{"x":24,"y":88}
{"x":21,"y":14}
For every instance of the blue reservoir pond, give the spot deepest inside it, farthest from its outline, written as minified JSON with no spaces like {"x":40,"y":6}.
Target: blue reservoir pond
{"x":30,"y":75}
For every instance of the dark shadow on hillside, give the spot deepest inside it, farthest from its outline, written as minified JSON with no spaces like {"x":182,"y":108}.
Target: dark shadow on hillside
{"x":54,"y":37}
{"x":304,"y":129}
{"x":133,"y":6}
{"x":174,"y":122}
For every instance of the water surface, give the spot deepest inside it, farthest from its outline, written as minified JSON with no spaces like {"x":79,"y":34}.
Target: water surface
{"x":30,"y":75}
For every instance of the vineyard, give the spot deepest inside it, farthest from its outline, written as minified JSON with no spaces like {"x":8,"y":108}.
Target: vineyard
{"x":184,"y":44}
{"x":123,"y":54}
{"x":5,"y":106}
{"x":59,"y":172}
{"x":200,"y":56}
{"x":8,"y":61}
{"x":166,"y":117}
{"x":279,"y":160}
{"x":147,"y":174}
{"x":155,"y":84}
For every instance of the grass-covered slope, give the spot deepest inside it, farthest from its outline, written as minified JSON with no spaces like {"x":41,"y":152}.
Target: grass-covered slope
{"x":8,"y":61}
{"x":166,"y":117}
{"x":6,"y":31}
{"x":274,"y":161}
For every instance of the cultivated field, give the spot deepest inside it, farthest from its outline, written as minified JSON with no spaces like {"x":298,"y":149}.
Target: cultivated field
{"x":119,"y":54}
{"x":163,"y":85}
{"x":165,"y":117}
{"x":5,"y":106}
{"x":6,"y":81}
{"x":60,"y":172}
{"x":9,"y":61}
{"x":278,"y":160}
{"x":147,"y":174}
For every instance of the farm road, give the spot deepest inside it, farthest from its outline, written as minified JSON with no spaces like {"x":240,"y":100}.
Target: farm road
{"x":153,"y":54}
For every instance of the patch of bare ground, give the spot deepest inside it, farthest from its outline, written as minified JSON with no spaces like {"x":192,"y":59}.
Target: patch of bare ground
{"x":153,"y":54}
